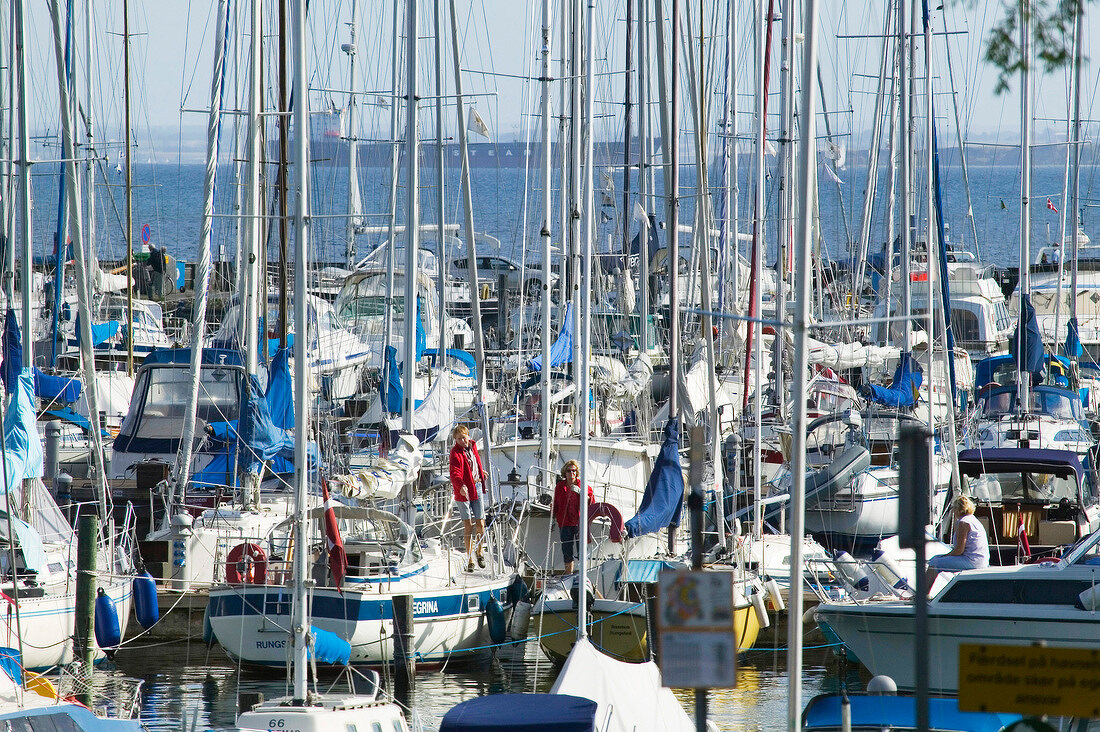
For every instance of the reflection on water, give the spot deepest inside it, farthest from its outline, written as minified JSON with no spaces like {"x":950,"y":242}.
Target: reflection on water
{"x":190,"y":687}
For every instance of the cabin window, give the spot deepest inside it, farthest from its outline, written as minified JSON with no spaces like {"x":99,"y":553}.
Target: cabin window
{"x":376,"y":726}
{"x":397,"y":726}
{"x":965,"y":325}
{"x":1017,"y":592}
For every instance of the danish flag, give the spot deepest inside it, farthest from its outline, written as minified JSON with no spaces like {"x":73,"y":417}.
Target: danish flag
{"x":337,"y":559}
{"x":1050,"y":205}
{"x":1023,"y":548}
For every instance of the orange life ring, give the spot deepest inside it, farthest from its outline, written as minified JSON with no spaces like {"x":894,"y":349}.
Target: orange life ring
{"x":606,"y":510}
{"x":246,"y":564}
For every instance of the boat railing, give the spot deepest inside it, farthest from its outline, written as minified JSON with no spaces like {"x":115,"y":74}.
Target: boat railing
{"x":112,"y":697}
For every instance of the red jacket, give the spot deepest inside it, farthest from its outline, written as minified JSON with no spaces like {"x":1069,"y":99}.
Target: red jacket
{"x":462,"y":473}
{"x":567,"y":504}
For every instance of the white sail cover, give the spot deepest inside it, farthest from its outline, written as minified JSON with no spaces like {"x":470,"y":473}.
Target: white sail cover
{"x":849,"y":355}
{"x":629,"y":695}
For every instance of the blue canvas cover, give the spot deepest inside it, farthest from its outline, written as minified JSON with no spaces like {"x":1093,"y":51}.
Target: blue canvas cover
{"x":664,"y":492}
{"x":1072,"y":346}
{"x":1029,"y":352}
{"x":101,"y":332}
{"x":64,"y":389}
{"x":22,"y":446}
{"x":210,"y":356}
{"x":899,"y":713}
{"x":327,"y":647}
{"x":562,"y":350}
{"x":280,"y":396}
{"x":392,"y":392}
{"x":903,"y":391}
{"x":421,"y":334}
{"x":976,"y":462}
{"x":260,"y":440}
{"x":522,"y":713}
{"x":11,"y":663}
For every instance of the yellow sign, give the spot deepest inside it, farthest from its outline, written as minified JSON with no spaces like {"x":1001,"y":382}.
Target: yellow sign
{"x":1029,"y":680}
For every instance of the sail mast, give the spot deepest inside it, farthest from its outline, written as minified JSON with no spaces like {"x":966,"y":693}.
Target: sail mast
{"x":412,"y":214}
{"x":129,"y":191}
{"x":544,"y":235}
{"x":300,"y":617}
{"x":354,"y":202}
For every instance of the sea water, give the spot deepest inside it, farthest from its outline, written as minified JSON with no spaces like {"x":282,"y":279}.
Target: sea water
{"x":189,"y":686}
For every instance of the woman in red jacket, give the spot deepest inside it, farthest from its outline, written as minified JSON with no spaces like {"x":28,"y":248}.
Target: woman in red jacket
{"x":466,"y":475}
{"x":567,"y":510}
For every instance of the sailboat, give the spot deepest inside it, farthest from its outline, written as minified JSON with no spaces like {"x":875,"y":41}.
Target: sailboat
{"x":303,"y":709}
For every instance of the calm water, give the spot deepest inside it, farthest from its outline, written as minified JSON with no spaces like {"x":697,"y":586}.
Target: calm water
{"x":187,"y":679}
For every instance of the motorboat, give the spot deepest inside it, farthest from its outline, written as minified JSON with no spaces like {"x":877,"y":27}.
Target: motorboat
{"x":1049,"y":603}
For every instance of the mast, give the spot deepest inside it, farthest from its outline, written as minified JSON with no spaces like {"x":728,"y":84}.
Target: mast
{"x":442,"y":250}
{"x":1025,"y":194}
{"x":1075,"y":150}
{"x":300,"y":615}
{"x":250,"y":297}
{"x":626,"y":128}
{"x":395,"y":159}
{"x":84,"y":297}
{"x":544,"y":238}
{"x":645,"y":191}
{"x":280,"y":182}
{"x":674,"y":224}
{"x":587,"y":250}
{"x":353,"y":144}
{"x":62,"y":209}
{"x":730,"y":246}
{"x":806,"y":186}
{"x":412,"y":213}
{"x":471,"y":249}
{"x":905,"y":91}
{"x":89,"y":105}
{"x":202,"y":263}
{"x":129,"y":189}
{"x":785,"y":220}
{"x":25,"y":193}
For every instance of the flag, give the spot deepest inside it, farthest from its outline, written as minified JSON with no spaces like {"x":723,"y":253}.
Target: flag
{"x":474,"y":123}
{"x":639,"y":213}
{"x":1023,"y":548}
{"x":837,"y":153}
{"x":769,"y":148}
{"x":1003,"y":206}
{"x":118,"y":165}
{"x":337,"y":559}
{"x":1050,"y":205}
{"x":604,"y":216}
{"x":381,"y":101}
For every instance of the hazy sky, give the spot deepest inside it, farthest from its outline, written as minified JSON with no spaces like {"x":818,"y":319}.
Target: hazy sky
{"x":172,"y":58}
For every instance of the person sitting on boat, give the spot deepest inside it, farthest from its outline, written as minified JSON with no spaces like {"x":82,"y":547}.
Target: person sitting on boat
{"x":466,"y":474}
{"x":567,"y":510}
{"x":971,"y":543}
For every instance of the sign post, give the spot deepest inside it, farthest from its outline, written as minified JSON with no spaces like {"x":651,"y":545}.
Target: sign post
{"x":696,"y":625}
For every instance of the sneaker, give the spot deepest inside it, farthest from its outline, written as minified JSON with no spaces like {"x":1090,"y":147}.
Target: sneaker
{"x":480,"y":560}
{"x":470,"y":566}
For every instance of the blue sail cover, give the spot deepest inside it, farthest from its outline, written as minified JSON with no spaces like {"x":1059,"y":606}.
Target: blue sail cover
{"x":22,"y":446}
{"x":664,"y":493}
{"x":260,"y":440}
{"x":280,"y":396}
{"x":1029,"y":357}
{"x":392,"y":392}
{"x":903,"y":391}
{"x":522,"y":713}
{"x":1072,"y":347}
{"x":101,"y":332}
{"x":421,"y":334}
{"x":562,"y":350}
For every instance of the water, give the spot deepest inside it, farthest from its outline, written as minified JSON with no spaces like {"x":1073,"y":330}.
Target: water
{"x":169,"y":197}
{"x":187,"y":680}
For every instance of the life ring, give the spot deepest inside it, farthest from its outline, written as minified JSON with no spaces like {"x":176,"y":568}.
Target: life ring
{"x":606,"y":510}
{"x":246,"y":564}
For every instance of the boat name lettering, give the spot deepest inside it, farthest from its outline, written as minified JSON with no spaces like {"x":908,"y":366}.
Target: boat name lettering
{"x":425,"y":607}
{"x":271,"y":644}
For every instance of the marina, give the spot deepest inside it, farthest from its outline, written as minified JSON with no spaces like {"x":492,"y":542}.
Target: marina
{"x":461,"y":366}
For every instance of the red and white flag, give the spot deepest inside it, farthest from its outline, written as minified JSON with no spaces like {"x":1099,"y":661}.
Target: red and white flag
{"x":1050,"y":205}
{"x":1023,"y":548}
{"x":337,"y":559}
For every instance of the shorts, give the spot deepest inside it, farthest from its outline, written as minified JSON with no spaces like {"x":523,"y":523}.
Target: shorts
{"x":953,"y":563}
{"x":569,"y":542}
{"x":470,"y":510}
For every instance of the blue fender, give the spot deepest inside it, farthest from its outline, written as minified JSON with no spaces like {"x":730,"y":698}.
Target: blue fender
{"x":494,"y":611}
{"x":146,"y":606}
{"x":108,"y":634}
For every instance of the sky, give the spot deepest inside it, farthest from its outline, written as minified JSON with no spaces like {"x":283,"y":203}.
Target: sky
{"x":172,"y":49}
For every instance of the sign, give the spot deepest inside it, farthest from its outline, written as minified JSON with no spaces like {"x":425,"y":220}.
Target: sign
{"x":698,"y":639}
{"x":1032,"y":680}
{"x":146,"y":233}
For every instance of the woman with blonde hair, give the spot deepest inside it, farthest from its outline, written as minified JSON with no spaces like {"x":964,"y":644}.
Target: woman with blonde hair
{"x":567,"y":510}
{"x":466,"y":475}
{"x":971,"y":543}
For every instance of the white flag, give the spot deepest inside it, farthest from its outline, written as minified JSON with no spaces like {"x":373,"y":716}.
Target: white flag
{"x":837,"y":153}
{"x":608,"y":181}
{"x":769,"y":148}
{"x":118,"y":165}
{"x":382,"y":102}
{"x":474,"y":123}
{"x":639,"y":212}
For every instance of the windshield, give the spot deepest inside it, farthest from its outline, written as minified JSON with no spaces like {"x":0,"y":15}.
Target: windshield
{"x":165,"y":393}
{"x":1026,"y":487}
{"x":1043,"y":401}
